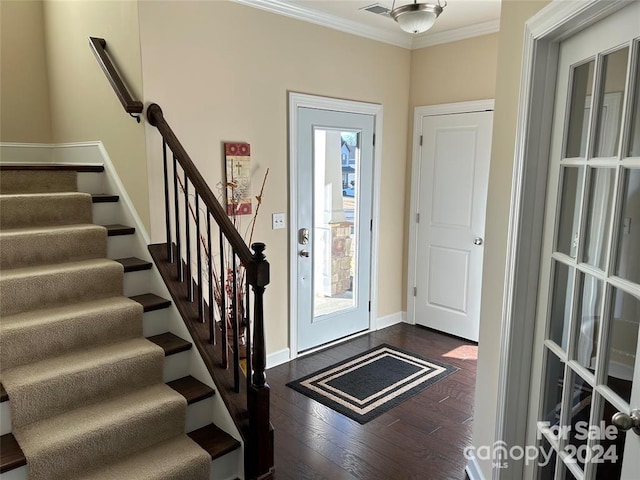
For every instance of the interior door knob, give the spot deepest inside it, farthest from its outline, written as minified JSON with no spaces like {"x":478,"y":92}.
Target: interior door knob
{"x":304,"y":253}
{"x":478,"y":241}
{"x":627,"y":422}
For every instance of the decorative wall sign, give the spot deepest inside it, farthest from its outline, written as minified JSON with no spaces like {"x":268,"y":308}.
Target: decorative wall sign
{"x":238,"y":171}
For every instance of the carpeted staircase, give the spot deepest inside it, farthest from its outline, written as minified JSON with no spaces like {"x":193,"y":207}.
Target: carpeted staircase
{"x":86,"y":393}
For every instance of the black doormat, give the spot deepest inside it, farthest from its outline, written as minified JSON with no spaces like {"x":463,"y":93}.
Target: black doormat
{"x":367,"y":385}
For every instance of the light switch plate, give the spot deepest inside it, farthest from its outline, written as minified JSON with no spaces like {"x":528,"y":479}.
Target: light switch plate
{"x":278,"y":220}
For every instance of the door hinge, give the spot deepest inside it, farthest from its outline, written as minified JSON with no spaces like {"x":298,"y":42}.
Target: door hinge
{"x":369,"y":305}
{"x":371,"y":225}
{"x":417,"y":218}
{"x":374,"y":139}
{"x":415,"y":291}
{"x":420,"y":140}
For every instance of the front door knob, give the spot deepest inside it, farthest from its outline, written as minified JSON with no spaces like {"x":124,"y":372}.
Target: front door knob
{"x":626,"y":422}
{"x":304,"y":253}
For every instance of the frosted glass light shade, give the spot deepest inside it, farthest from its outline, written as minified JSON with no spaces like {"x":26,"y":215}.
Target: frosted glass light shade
{"x":416,"y":17}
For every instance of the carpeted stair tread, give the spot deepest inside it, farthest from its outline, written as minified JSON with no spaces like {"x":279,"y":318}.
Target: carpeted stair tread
{"x":56,"y":385}
{"x":37,"y":181}
{"x":65,"y":446}
{"x":39,"y":334}
{"x":178,"y":458}
{"x":45,"y":209}
{"x":25,"y":247}
{"x":31,"y":288}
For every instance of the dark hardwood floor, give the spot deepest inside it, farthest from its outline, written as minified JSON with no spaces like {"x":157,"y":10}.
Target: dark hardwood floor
{"x":422,"y":438}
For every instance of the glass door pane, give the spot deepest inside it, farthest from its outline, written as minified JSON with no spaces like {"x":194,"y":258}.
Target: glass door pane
{"x":336,"y":160}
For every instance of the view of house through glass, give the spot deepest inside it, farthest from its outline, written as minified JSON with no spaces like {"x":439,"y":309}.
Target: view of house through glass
{"x":336,"y":158}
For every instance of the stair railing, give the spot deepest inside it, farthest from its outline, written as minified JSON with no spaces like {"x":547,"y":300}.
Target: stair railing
{"x":189,"y":227}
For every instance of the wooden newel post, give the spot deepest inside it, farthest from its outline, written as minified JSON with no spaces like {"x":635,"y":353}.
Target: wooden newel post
{"x":259,"y":464}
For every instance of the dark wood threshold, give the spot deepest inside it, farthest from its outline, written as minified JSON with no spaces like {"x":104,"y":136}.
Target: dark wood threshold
{"x":170,"y":343}
{"x":192,"y":389}
{"x":151,"y":302}
{"x":104,"y":198}
{"x":236,"y":403}
{"x":53,"y":167}
{"x":214,"y":441}
{"x":133,"y":264}
{"x":116,"y":230}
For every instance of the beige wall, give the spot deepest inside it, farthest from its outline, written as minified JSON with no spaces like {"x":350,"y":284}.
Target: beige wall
{"x":83,"y":104}
{"x":222,"y":72}
{"x":24,"y":89}
{"x":514,"y":14}
{"x":440,"y":74}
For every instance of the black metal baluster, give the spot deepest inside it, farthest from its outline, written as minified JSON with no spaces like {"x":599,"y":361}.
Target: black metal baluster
{"x":176,"y":201}
{"x":247,"y":329}
{"x":223,"y":306}
{"x":167,"y":211}
{"x":212,"y":302}
{"x":234,"y":324}
{"x":199,"y":255}
{"x":188,"y":239}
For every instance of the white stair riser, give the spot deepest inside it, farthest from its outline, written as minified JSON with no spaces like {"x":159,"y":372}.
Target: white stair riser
{"x":176,"y":366}
{"x":155,"y":322}
{"x":136,"y":283}
{"x":106,"y":213}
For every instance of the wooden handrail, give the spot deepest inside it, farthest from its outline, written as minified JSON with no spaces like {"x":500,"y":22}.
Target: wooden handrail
{"x":156,"y":118}
{"x":131,"y":106}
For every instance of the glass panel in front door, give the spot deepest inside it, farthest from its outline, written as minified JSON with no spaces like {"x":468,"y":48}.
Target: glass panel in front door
{"x":593,"y":309}
{"x":336,"y":161}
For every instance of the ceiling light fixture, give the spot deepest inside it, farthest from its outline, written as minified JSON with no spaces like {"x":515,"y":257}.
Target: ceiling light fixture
{"x":416,"y":17}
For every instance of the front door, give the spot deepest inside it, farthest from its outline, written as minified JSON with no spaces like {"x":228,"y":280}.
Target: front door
{"x":334,"y":204}
{"x":452,"y":197}
{"x":589,"y":309}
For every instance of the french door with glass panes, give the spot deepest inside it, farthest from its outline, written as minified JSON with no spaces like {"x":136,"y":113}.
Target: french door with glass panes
{"x":589,"y":308}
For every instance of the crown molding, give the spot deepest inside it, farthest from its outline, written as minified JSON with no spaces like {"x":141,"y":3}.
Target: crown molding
{"x":281,"y":7}
{"x":462,"y":33}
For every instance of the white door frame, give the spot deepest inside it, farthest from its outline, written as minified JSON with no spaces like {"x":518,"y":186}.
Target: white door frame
{"x":301,"y":100}
{"x":418,"y":114}
{"x":543,"y":33}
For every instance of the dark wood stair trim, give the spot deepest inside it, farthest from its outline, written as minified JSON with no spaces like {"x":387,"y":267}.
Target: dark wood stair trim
{"x":151,"y":302}
{"x":192,"y":389}
{"x":4,"y":396}
{"x":104,"y":198}
{"x":170,"y":343}
{"x":134,"y":264}
{"x":116,"y":230}
{"x":53,"y":167}
{"x":214,"y":441}
{"x":11,"y":456}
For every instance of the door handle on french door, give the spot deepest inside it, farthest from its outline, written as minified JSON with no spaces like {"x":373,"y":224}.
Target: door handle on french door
{"x":304,"y":253}
{"x":303,"y":236}
{"x":627,"y":422}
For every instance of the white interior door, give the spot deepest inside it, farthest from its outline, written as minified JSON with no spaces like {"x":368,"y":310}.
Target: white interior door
{"x":454,"y":174}
{"x":589,"y":304}
{"x":334,"y":204}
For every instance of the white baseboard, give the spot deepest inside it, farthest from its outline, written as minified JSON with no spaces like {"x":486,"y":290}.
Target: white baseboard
{"x":278,"y":358}
{"x":388,"y":320}
{"x":85,"y":153}
{"x":473,"y":469}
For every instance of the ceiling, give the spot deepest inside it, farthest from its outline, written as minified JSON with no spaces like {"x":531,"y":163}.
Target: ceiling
{"x":460,"y":18}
